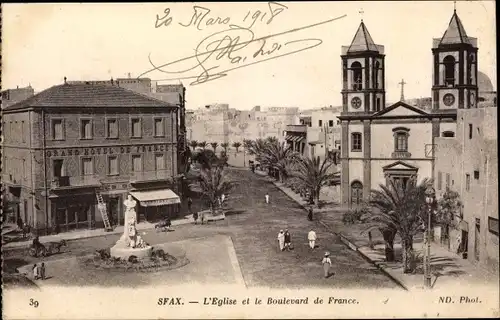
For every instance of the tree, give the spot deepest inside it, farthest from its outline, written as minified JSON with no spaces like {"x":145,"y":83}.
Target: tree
{"x":448,"y":210}
{"x":398,"y":209}
{"x":271,"y":139}
{"x":247,"y":145}
{"x":276,"y":156}
{"x":206,"y":158}
{"x":193,"y":144}
{"x":224,"y":145}
{"x":213,"y":183}
{"x":237,"y":145}
{"x":314,"y":175}
{"x":214,"y":145}
{"x":202,"y":144}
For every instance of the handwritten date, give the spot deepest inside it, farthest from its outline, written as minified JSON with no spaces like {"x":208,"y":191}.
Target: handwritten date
{"x":203,"y":18}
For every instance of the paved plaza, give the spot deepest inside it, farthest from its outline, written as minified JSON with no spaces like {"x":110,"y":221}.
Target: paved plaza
{"x":250,"y":230}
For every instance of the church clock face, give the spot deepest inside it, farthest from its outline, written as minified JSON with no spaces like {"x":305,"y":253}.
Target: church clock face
{"x":356,"y":102}
{"x":472,"y":99}
{"x":448,"y":99}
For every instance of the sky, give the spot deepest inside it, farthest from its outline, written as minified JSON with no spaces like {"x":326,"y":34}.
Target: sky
{"x":43,"y":43}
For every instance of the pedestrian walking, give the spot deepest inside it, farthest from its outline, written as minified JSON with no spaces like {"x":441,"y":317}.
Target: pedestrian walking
{"x":267,"y":198}
{"x":20,"y":223}
{"x":310,"y":214}
{"x":195,"y":217}
{"x":190,"y":204}
{"x":288,"y":239}
{"x":42,"y":271}
{"x":327,"y":263}
{"x":35,"y":272}
{"x":202,"y":217}
{"x":311,"y":236}
{"x":281,"y":240}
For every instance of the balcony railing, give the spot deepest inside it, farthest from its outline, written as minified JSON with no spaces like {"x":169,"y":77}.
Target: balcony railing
{"x":296,"y":128}
{"x":65,"y":182}
{"x":147,"y":176}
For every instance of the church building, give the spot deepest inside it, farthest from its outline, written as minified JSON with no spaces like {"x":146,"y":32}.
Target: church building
{"x":382,"y":143}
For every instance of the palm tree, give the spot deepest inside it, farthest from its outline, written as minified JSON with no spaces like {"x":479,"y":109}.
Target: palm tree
{"x":271,"y":139}
{"x":213,"y":184}
{"x":276,"y":156}
{"x":202,"y":144}
{"x":398,"y":209}
{"x":247,"y":144}
{"x":224,"y":145}
{"x":214,"y":145}
{"x":313,"y":175}
{"x":237,"y":145}
{"x":193,"y":144}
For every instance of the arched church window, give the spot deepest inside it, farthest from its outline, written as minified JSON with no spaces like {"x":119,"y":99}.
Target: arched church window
{"x":357,"y":76}
{"x":469,"y":68}
{"x":376,"y":75}
{"x":449,"y":70}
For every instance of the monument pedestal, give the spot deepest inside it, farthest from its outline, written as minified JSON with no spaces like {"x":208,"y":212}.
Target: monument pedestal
{"x":119,"y":250}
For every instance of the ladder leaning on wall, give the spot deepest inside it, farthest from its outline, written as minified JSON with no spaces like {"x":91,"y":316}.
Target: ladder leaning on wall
{"x":102,"y":208}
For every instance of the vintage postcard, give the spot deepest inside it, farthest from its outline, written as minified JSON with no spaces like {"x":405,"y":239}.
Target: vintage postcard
{"x":249,"y":160}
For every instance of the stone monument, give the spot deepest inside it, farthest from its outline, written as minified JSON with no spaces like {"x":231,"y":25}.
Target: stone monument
{"x":130,"y":243}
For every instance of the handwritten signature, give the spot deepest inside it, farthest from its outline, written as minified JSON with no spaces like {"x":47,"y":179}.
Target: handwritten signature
{"x":232,"y":49}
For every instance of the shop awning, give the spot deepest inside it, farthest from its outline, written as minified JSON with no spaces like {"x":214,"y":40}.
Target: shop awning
{"x":156,"y":197}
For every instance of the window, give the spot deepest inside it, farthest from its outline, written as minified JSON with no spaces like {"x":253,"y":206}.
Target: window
{"x":87,"y":166}
{"x":378,"y":105}
{"x":448,"y":179}
{"x":159,"y":127}
{"x":449,"y":70}
{"x":159,"y":162}
{"x":23,"y":137}
{"x":57,"y":165}
{"x":338,"y":122}
{"x":57,"y":129}
{"x":376,"y":74}
{"x":136,"y":163}
{"x":113,"y":165}
{"x":357,"y":76}
{"x":86,"y":129}
{"x":330,"y":123}
{"x":440,"y":180}
{"x":136,"y":127}
{"x":356,"y":141}
{"x":470,"y":130}
{"x":476,"y":174}
{"x":401,"y":141}
{"x":467,"y":182}
{"x":112,"y":130}
{"x":448,"y":134}
{"x":320,"y":123}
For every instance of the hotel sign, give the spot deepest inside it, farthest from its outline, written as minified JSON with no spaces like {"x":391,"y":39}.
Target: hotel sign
{"x":69,"y":152}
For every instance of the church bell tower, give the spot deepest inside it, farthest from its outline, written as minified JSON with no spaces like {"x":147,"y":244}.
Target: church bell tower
{"x":454,"y":81}
{"x":363,"y":74}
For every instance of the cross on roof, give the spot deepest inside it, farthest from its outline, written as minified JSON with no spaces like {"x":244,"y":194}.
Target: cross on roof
{"x":454,"y":6}
{"x":402,"y":83}
{"x":361,"y":13}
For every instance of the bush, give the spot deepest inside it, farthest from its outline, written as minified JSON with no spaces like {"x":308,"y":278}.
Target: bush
{"x":353,"y":216}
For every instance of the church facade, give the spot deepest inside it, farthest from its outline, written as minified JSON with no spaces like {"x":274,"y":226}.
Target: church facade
{"x":382,"y":143}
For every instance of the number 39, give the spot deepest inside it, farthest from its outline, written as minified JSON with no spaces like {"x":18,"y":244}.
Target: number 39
{"x":34,"y":303}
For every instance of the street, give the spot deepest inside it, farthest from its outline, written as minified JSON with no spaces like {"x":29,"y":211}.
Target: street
{"x":253,"y":227}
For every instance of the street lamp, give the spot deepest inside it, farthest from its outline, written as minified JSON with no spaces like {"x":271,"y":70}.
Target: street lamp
{"x":429,"y":199}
